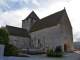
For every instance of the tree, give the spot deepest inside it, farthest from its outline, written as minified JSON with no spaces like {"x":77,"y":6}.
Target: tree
{"x":4,"y":36}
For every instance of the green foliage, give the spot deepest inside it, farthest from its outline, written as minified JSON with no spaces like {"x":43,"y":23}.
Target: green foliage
{"x":50,"y":53}
{"x":4,"y":36}
{"x":10,"y":50}
{"x":58,"y":51}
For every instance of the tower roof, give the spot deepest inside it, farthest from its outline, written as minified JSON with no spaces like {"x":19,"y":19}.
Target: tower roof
{"x":33,"y":15}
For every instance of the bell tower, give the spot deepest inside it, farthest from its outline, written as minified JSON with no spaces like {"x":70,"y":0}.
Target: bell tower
{"x":28,"y":22}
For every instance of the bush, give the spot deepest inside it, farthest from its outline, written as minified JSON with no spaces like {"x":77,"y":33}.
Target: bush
{"x":50,"y":53}
{"x":58,"y":52}
{"x":10,"y":50}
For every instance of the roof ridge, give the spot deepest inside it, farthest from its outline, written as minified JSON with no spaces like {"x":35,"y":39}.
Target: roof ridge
{"x":52,"y":14}
{"x":32,"y":15}
{"x":15,"y":27}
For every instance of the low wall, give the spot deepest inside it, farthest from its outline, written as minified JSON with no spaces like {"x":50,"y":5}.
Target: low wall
{"x":1,"y":50}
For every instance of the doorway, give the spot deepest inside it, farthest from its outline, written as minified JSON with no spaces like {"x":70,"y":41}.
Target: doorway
{"x":65,"y":48}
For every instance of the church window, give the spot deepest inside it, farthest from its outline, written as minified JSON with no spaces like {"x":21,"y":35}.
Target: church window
{"x":44,"y":41}
{"x":31,"y":20}
{"x":15,"y":42}
{"x":24,"y":43}
{"x":38,"y":41}
{"x":32,"y":43}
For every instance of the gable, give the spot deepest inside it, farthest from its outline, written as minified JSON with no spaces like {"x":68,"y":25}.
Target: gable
{"x":17,"y":31}
{"x":32,"y":15}
{"x":65,"y":20}
{"x":48,"y":21}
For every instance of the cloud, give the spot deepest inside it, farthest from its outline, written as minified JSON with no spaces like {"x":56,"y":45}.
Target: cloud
{"x":45,"y":11}
{"x":76,"y":36}
{"x":73,"y":11}
{"x":3,"y":3}
{"x":47,"y":3}
{"x":6,"y":5}
{"x":13,"y":18}
{"x":20,"y":1}
{"x":35,"y":2}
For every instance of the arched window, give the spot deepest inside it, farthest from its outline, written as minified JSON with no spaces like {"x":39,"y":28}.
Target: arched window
{"x":23,"y":43}
{"x":15,"y":42}
{"x":31,"y":21}
{"x":38,"y":41}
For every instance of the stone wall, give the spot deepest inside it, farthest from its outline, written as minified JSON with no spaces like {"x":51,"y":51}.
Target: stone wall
{"x":66,"y":32}
{"x":20,"y":42}
{"x":27,"y":24}
{"x":49,"y":37}
{"x":59,"y":34}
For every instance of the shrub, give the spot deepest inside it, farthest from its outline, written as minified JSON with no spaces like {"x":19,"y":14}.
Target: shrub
{"x":50,"y":53}
{"x":58,"y":52}
{"x":10,"y":50}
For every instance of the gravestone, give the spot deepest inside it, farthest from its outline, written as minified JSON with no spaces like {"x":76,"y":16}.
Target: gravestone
{"x":1,"y":50}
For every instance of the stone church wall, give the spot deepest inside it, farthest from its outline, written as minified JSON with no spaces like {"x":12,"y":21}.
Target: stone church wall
{"x":66,"y":32}
{"x":66,"y":37}
{"x":49,"y":37}
{"x":20,"y":42}
{"x":53,"y":36}
{"x":27,"y":24}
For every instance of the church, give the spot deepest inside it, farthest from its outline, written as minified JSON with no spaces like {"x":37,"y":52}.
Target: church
{"x":48,"y":32}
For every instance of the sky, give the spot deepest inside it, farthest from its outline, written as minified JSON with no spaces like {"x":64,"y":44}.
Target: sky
{"x":12,"y":12}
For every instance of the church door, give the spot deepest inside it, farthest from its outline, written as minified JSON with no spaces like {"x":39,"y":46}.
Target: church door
{"x":65,"y":48}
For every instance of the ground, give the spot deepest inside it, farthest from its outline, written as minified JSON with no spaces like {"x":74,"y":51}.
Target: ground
{"x":67,"y":56}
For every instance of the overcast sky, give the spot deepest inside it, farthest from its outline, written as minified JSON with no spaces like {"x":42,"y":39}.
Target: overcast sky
{"x":12,"y":12}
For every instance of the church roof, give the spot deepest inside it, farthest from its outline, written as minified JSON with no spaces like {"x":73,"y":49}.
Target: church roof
{"x":32,"y":15}
{"x":48,"y":21}
{"x":15,"y":31}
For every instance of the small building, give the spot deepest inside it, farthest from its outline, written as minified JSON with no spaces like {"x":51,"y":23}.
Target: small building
{"x":18,"y":37}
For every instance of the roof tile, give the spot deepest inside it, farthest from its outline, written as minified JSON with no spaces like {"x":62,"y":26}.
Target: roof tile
{"x":17,"y":31}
